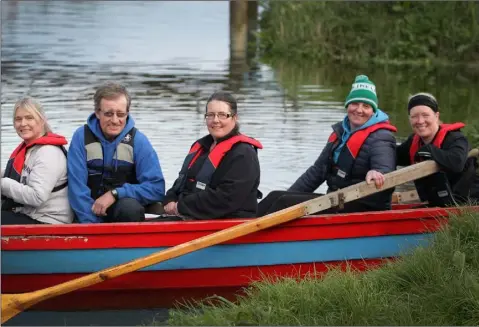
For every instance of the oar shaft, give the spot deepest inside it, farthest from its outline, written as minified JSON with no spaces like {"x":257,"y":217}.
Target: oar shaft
{"x":412,"y":195}
{"x":361,"y":190}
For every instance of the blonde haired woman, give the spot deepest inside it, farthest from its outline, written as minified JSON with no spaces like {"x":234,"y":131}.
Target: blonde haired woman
{"x":34,"y":183}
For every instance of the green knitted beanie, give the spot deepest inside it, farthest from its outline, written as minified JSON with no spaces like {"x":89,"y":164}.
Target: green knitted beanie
{"x":363,"y":90}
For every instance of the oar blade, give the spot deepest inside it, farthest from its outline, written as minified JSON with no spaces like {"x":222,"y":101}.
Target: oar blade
{"x":13,"y":304}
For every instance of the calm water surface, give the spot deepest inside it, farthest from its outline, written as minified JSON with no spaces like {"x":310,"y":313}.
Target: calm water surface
{"x":171,"y":56}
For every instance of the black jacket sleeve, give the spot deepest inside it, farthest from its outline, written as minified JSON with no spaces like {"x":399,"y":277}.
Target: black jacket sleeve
{"x":171,"y":195}
{"x":238,"y":182}
{"x":315,"y":175}
{"x":453,"y":154}
{"x":402,"y":152}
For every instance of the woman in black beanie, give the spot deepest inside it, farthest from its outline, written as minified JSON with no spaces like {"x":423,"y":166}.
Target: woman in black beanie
{"x":457,"y":182}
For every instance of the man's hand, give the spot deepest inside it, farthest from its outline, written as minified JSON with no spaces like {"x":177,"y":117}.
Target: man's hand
{"x":102,"y":204}
{"x":375,"y":176}
{"x":172,"y":208}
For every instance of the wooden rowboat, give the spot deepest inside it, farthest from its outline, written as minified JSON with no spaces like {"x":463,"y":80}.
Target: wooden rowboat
{"x":39,"y":256}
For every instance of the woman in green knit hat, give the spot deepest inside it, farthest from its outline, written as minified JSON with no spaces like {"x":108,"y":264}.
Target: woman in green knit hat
{"x":362,"y":147}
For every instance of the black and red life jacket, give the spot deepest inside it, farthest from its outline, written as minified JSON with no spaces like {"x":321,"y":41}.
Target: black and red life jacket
{"x":444,"y":129}
{"x":350,"y":151}
{"x":17,"y":161}
{"x":203,"y":177}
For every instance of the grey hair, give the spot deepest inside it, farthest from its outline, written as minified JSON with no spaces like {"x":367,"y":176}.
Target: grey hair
{"x":35,"y":108}
{"x":111,"y":90}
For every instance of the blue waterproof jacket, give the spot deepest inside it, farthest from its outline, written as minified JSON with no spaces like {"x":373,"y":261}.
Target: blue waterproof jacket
{"x":151,"y":184}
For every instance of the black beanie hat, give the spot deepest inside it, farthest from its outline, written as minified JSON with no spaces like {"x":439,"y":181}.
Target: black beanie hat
{"x":422,"y":99}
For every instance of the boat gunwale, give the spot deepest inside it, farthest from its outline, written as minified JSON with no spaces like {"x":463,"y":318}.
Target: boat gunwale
{"x":215,"y":225}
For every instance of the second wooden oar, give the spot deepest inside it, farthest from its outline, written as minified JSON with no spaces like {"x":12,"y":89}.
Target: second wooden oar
{"x":13,"y":304}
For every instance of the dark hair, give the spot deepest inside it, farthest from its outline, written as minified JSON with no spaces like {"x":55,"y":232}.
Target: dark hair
{"x":224,"y":97}
{"x":111,"y":90}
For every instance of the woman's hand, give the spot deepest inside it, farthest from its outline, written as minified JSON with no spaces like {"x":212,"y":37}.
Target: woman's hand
{"x":375,"y":176}
{"x":172,"y":208}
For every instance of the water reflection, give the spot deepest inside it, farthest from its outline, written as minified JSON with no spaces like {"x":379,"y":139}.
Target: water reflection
{"x":172,"y":56}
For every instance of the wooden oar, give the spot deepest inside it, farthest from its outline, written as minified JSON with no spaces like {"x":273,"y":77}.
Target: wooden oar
{"x":13,"y":304}
{"x":412,"y":195}
{"x":405,"y":197}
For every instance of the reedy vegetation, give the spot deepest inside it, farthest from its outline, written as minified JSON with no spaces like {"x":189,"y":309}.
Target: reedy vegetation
{"x":400,"y":32}
{"x":434,"y":285}
{"x":404,"y":46}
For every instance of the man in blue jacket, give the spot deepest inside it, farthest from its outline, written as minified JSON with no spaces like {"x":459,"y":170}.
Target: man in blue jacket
{"x":113,"y":171}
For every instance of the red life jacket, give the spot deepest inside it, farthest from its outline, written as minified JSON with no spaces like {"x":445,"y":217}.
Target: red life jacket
{"x":17,"y":158}
{"x":17,"y":161}
{"x":444,"y":129}
{"x":353,"y":145}
{"x":212,"y":162}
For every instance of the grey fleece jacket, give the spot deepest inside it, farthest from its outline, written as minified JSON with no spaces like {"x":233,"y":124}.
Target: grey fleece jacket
{"x":45,"y":167}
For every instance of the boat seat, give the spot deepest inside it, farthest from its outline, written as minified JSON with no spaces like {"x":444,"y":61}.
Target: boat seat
{"x":155,"y":208}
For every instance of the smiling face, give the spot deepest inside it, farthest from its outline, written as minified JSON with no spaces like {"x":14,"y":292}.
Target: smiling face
{"x":219,"y":119}
{"x":424,"y":122}
{"x":359,"y":113}
{"x":28,"y":125}
{"x":112,"y":116}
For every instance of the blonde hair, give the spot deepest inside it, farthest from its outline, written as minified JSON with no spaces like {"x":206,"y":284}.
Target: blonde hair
{"x":35,"y":108}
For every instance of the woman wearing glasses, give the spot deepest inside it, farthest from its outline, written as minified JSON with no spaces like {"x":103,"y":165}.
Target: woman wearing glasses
{"x":221,"y":173}
{"x":34,"y":183}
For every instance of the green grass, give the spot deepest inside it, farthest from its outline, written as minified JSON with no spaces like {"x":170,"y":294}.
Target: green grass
{"x":434,"y":285}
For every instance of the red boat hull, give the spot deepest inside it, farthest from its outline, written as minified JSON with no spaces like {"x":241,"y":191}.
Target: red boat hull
{"x":33,"y":257}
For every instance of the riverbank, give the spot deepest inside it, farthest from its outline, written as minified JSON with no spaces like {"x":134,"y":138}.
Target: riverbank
{"x":396,"y":32}
{"x":435,"y":285}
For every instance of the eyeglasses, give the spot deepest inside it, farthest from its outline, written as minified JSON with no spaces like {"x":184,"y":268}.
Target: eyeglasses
{"x":221,"y":115}
{"x":110,"y":114}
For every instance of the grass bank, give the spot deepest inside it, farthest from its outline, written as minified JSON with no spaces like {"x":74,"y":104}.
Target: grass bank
{"x":394,"y":32}
{"x":435,"y":285}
